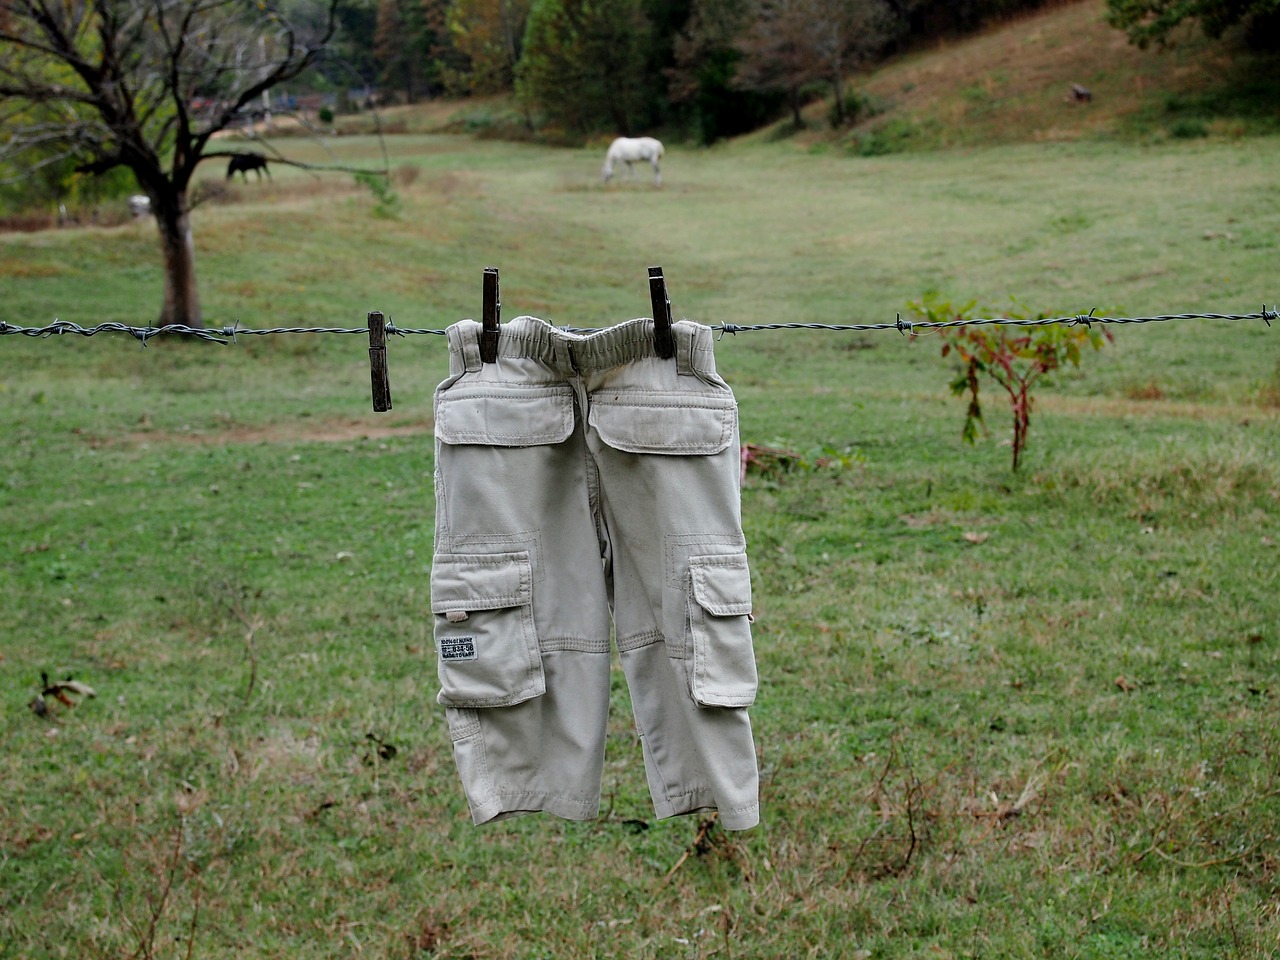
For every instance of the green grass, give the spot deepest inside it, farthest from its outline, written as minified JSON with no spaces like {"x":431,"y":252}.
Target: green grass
{"x":1001,"y":715}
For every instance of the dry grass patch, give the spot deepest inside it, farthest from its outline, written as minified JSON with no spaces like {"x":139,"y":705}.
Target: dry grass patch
{"x":1012,"y":82}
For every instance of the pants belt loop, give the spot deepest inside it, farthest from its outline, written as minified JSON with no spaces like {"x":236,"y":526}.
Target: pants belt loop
{"x":686,"y":337}
{"x":464,"y":347}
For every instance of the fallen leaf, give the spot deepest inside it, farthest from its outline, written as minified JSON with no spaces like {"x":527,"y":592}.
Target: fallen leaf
{"x":976,"y":538}
{"x":1125,"y":685}
{"x":60,"y":690}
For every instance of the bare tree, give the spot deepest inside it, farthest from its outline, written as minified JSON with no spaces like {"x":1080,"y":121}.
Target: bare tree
{"x":792,"y":44}
{"x":145,"y":84}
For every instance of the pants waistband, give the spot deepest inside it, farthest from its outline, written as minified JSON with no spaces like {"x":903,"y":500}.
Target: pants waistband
{"x":530,"y":338}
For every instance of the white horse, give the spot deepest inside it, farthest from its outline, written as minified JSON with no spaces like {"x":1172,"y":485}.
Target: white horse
{"x":629,"y":150}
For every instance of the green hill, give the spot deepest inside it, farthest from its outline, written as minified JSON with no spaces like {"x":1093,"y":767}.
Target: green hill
{"x":1012,"y":83}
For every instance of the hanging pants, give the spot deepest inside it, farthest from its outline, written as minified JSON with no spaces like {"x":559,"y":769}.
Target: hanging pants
{"x":579,"y":480}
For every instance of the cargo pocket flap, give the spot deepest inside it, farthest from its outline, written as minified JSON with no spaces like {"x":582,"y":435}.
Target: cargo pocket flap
{"x":665,"y":424}
{"x":722,"y":585}
{"x":724,"y":666}
{"x":486,"y":641}
{"x":504,"y":416}
{"x":485,"y":581}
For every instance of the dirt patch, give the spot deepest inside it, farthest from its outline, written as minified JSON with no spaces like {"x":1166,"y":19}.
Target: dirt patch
{"x":308,"y":431}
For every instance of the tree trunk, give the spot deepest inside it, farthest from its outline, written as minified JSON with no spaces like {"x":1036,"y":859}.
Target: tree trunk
{"x":181,"y":298}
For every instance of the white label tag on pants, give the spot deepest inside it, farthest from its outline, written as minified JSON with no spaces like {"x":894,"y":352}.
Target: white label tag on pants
{"x":457,"y":648}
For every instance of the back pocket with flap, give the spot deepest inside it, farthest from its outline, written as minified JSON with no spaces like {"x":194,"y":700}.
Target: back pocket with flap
{"x":646,"y":422}
{"x":504,"y":415}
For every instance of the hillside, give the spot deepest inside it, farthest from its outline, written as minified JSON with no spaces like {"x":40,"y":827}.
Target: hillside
{"x":1011,"y":83}
{"x":1007,"y":84}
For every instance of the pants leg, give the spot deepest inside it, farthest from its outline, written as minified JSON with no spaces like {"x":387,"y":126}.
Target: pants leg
{"x":664,"y":436}
{"x":518,"y":589}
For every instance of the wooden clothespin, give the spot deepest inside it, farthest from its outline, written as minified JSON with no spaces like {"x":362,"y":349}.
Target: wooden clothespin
{"x":491,"y":317}
{"x":663,"y":341}
{"x":378,"y":362}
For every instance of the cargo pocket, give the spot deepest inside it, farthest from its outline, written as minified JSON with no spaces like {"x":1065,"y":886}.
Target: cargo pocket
{"x":486,"y":643}
{"x":662,"y":423}
{"x":504,"y":415}
{"x":724,"y":665}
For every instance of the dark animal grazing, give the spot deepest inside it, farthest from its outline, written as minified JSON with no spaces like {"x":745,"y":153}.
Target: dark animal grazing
{"x":1080,"y":94}
{"x":242,"y":163}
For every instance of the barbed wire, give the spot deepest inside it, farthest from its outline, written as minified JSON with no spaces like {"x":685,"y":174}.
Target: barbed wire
{"x":1081,"y":319}
{"x":229,"y":333}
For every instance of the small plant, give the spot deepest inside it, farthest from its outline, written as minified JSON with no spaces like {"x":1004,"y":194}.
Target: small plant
{"x":387,"y":201}
{"x":1014,"y":359}
{"x":775,"y":461}
{"x":857,"y":107}
{"x":1189,"y":128}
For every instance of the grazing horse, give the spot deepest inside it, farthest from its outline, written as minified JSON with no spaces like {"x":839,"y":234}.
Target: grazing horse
{"x":242,"y":163}
{"x":629,"y":150}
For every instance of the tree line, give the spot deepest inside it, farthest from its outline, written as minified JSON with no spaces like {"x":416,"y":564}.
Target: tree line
{"x":705,"y":69}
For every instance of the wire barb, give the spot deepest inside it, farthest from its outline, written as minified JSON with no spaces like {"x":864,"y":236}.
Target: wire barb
{"x":1085,"y":319}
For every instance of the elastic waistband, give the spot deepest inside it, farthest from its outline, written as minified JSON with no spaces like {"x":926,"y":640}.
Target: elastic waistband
{"x":530,"y":338}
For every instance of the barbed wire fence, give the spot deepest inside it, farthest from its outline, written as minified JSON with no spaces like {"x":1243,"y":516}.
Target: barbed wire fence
{"x":379,"y":329}
{"x":229,"y":333}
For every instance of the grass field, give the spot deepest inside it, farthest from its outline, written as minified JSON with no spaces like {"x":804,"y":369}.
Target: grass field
{"x":1001,"y":715}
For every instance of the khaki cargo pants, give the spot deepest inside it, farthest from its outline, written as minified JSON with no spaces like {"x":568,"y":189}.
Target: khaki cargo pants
{"x":579,"y":477}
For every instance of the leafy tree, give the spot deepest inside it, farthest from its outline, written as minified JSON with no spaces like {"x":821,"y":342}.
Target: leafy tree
{"x":666,"y":19}
{"x":931,"y":18}
{"x":354,"y":40}
{"x":489,"y":33}
{"x":705,"y":63}
{"x":584,"y":64}
{"x":1147,"y":21}
{"x":407,"y":34}
{"x":145,"y":84}
{"x":792,"y":44}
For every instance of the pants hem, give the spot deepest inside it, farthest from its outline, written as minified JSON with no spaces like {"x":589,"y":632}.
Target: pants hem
{"x":508,"y":805}
{"x":731,"y":818}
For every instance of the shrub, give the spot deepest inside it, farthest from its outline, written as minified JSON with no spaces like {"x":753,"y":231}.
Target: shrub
{"x":1015,"y":357}
{"x":1189,"y":129}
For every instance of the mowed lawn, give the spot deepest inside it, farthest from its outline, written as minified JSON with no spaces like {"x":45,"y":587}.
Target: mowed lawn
{"x":1001,"y":715}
